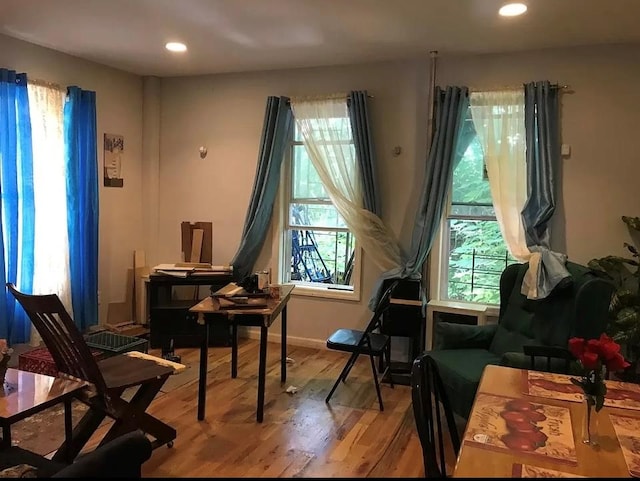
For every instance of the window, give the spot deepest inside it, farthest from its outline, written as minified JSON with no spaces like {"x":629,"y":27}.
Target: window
{"x":474,"y":253}
{"x":319,"y":252}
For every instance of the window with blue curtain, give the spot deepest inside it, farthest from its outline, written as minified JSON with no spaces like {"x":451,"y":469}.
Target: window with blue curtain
{"x":30,"y":127}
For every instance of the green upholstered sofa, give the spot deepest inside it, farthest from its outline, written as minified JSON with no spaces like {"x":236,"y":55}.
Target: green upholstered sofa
{"x":577,"y":307}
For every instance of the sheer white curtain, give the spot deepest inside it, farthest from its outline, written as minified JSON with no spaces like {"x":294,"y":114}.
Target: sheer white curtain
{"x":326,"y":133}
{"x":51,"y":250}
{"x":498,"y":118}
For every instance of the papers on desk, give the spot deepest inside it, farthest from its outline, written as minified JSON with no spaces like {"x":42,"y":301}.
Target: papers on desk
{"x":233,"y":296}
{"x":186,"y":269}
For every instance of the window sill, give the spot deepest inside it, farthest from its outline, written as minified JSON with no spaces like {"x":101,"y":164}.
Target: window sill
{"x":465,"y":306}
{"x":303,"y":290}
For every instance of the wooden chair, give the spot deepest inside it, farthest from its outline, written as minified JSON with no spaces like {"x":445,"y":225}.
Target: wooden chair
{"x":428,"y":397}
{"x":109,"y":377}
{"x":368,"y":343}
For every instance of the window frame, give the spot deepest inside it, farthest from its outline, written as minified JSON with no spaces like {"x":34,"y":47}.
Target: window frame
{"x":444,"y":241}
{"x":283,"y":242}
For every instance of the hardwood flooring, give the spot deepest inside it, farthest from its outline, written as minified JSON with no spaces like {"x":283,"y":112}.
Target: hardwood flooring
{"x":301,"y":435}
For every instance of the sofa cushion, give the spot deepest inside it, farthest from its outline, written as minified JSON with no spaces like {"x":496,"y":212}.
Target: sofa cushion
{"x":460,"y":371}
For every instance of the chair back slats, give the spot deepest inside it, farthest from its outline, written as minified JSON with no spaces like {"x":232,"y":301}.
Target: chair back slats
{"x":62,"y":338}
{"x":376,"y":319}
{"x":428,"y":396}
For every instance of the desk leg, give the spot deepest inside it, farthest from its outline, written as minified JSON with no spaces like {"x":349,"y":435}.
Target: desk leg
{"x":68,"y":424}
{"x":283,"y":346}
{"x":234,"y":348}
{"x":262,"y":371}
{"x":204,"y":354}
{"x":6,"y":436}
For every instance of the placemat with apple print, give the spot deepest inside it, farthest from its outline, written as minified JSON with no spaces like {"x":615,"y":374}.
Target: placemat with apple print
{"x":532,"y":429}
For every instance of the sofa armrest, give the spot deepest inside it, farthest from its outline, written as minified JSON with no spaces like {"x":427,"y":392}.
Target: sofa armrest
{"x":121,"y":458}
{"x":522,"y":360}
{"x":450,"y":335}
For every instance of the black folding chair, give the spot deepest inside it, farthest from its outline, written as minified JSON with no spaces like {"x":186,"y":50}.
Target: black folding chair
{"x":368,"y":343}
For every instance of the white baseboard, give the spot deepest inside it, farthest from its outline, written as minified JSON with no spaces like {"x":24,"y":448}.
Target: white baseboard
{"x":254,"y":333}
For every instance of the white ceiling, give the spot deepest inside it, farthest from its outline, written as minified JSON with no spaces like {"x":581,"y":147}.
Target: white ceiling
{"x":244,"y":35}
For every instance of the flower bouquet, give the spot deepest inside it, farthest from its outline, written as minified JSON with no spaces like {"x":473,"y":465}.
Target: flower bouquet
{"x":596,"y":356}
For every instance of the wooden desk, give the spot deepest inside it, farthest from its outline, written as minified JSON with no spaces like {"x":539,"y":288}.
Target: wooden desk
{"x":605,"y":461}
{"x":26,"y":393}
{"x":208,"y":310}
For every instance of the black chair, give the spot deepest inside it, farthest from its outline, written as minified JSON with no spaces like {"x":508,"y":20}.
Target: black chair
{"x":552,"y":358}
{"x":368,"y":343}
{"x":122,"y":457}
{"x":429,"y":400}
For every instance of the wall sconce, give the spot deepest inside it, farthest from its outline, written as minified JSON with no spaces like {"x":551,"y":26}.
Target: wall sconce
{"x":203,"y":152}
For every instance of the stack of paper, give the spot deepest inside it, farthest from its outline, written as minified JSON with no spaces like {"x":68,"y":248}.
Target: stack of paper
{"x":185,"y":269}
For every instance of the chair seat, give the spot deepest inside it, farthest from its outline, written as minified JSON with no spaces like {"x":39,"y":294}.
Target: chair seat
{"x":348,"y":339}
{"x":123,"y":371}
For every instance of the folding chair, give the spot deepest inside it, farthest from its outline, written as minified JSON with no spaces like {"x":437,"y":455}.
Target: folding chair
{"x":367,"y":342}
{"x":109,"y":377}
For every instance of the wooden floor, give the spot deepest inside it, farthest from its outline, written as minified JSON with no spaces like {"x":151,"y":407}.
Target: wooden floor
{"x":301,"y":435}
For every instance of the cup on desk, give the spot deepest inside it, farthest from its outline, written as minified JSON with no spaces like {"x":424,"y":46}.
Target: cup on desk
{"x":274,"y":291}
{"x":263,"y":280}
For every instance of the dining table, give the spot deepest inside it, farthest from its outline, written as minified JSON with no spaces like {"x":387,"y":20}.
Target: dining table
{"x":527,"y":423}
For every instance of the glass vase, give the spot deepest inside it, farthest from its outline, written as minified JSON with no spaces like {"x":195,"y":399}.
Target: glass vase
{"x":590,"y":421}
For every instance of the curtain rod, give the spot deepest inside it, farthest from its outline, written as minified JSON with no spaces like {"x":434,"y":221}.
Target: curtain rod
{"x":44,"y":83}
{"x":325,"y":97}
{"x":566,"y":88}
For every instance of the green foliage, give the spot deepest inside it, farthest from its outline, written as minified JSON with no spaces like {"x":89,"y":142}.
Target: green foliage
{"x":624,"y":310}
{"x":475,"y":244}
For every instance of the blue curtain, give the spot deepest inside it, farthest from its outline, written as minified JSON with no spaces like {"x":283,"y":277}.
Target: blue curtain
{"x":365,"y":154}
{"x":452,"y":135}
{"x":17,"y":203}
{"x":541,"y":119}
{"x":82,"y":203}
{"x":541,"y":125}
{"x":278,"y":122}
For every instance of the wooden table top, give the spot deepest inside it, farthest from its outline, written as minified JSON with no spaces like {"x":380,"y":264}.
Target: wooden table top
{"x":210,"y":305}
{"x":475,"y":460}
{"x":25,"y":391}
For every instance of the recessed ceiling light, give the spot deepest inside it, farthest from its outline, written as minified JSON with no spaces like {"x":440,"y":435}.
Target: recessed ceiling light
{"x":176,"y":47}
{"x":512,"y":9}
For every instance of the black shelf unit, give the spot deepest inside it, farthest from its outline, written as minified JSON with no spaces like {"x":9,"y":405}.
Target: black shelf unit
{"x":405,"y":319}
{"x":170,"y":318}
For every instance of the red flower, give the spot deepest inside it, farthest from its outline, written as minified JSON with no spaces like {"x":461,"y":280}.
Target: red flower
{"x":617,"y":363}
{"x":594,"y":353}
{"x":609,"y":348}
{"x":576,"y":346}
{"x":589,"y":360}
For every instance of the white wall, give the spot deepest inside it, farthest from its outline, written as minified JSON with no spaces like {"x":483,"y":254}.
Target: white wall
{"x":597,"y":183}
{"x":225,"y":113}
{"x":119,"y":111}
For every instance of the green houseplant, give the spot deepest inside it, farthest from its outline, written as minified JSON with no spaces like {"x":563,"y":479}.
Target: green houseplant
{"x":624,"y":323}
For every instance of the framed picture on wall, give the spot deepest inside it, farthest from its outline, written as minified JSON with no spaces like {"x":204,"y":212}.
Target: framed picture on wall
{"x":113,"y":153}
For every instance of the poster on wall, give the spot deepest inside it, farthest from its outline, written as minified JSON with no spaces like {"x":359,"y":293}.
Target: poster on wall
{"x":113,"y":153}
